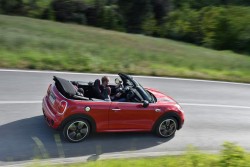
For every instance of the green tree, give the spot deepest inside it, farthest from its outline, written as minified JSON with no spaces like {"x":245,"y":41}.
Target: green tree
{"x":160,"y":9}
{"x":214,"y":26}
{"x":110,"y":18}
{"x":12,"y":7}
{"x":183,"y":24}
{"x":69,"y":11}
{"x":37,"y":8}
{"x":239,"y":17}
{"x":135,"y":13}
{"x":150,"y":27}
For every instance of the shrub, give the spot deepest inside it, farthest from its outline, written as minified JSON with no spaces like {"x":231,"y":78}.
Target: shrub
{"x":232,"y":156}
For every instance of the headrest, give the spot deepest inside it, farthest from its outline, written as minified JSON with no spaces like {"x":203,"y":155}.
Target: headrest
{"x":97,"y":82}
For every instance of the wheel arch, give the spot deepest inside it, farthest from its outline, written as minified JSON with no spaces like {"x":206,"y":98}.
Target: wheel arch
{"x":168,"y":114}
{"x":90,"y":120}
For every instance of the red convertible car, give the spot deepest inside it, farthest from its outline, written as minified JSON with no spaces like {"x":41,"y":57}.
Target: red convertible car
{"x":78,"y":113}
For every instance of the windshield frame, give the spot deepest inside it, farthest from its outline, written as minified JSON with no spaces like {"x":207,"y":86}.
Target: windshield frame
{"x":144,"y":93}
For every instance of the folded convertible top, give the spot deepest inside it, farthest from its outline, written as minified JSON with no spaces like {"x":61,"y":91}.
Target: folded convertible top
{"x":65,"y":87}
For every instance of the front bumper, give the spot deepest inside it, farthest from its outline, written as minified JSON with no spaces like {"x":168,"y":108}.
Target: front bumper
{"x":181,"y":124}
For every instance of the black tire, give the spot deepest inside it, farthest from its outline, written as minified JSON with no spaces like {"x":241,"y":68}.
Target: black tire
{"x":166,"y":127}
{"x":76,"y":130}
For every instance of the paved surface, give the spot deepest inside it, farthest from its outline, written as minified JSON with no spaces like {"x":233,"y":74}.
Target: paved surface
{"x":215,"y":112}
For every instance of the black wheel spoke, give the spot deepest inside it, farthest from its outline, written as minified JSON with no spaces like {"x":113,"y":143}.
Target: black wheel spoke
{"x":78,"y":136}
{"x":80,"y":125}
{"x":72,"y":134}
{"x":167,"y":123}
{"x":77,"y":131}
{"x":72,"y":127}
{"x":84,"y":130}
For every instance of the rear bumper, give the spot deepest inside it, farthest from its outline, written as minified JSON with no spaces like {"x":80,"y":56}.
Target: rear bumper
{"x":51,"y":119}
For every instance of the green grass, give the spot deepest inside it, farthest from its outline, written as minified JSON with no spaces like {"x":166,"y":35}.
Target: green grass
{"x":230,"y":156}
{"x":37,"y":44}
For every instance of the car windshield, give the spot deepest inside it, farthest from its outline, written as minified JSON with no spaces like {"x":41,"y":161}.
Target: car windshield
{"x":129,"y":81}
{"x":149,"y":96}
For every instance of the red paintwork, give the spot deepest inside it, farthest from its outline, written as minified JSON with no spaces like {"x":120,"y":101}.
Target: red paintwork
{"x":130,"y":117}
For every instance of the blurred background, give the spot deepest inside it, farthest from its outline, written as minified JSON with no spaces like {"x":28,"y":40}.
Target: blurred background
{"x":204,"y":39}
{"x":207,"y":39}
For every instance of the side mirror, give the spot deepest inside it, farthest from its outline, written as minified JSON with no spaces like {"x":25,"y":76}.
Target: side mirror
{"x":145,"y":103}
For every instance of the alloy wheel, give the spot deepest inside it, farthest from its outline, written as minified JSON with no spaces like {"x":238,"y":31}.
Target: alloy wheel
{"x":77,"y":131}
{"x":167,"y":127}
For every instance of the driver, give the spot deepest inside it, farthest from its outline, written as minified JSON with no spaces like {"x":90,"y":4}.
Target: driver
{"x":107,"y":90}
{"x":119,"y":89}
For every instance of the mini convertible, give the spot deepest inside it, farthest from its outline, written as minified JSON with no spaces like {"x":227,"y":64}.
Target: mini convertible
{"x":77,"y":115}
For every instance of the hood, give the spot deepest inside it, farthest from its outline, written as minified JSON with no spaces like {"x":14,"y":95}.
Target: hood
{"x":162,"y":98}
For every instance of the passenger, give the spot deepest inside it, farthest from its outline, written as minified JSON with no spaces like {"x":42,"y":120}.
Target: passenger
{"x":79,"y":91}
{"x":105,"y":89}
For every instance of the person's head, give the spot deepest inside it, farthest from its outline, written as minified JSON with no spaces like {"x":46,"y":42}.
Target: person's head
{"x":105,"y":80}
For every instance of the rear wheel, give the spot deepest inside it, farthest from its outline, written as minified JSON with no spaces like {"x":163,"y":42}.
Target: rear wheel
{"x":76,"y":130}
{"x":166,"y":127}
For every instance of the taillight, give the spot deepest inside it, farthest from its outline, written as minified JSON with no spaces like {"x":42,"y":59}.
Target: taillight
{"x":62,"y":107}
{"x":48,"y":91}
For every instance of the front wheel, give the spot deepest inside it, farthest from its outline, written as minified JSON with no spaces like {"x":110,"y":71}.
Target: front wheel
{"x":76,"y":130}
{"x":166,"y":127}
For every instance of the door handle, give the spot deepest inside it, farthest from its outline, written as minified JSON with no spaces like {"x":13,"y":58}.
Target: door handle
{"x":116,"y":109}
{"x":157,"y":110}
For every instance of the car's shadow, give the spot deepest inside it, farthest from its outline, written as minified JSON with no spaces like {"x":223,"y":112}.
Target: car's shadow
{"x":30,"y":138}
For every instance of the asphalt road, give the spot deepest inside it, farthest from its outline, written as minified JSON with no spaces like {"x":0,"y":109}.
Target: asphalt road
{"x":215,"y":112}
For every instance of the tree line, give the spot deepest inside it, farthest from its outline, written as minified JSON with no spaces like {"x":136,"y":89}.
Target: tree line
{"x":218,"y":24}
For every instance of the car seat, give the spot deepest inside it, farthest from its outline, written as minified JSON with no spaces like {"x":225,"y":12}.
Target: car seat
{"x":97,"y":89}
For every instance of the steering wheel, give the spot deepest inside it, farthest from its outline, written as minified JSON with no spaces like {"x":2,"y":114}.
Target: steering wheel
{"x":123,"y":89}
{"x":127,"y":88}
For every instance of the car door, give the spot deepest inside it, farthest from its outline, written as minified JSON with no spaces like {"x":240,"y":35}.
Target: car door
{"x":131,"y":116}
{"x":98,"y":110}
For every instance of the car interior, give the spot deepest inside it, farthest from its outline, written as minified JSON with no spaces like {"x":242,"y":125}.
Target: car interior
{"x":92,"y":90}
{"x":79,"y":90}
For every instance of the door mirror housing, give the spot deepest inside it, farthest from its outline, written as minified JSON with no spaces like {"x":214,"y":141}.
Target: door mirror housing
{"x":145,"y":103}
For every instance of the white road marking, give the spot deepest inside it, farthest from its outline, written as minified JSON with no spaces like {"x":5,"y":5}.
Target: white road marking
{"x":137,"y":76}
{"x":182,"y":104}
{"x":20,"y":102}
{"x":214,"y":105}
{"x":53,"y":72}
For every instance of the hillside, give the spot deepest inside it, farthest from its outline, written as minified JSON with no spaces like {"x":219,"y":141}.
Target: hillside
{"x":37,"y":44}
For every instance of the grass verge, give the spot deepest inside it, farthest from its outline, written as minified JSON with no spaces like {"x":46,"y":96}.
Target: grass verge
{"x":27,"y":43}
{"x":230,"y":156}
